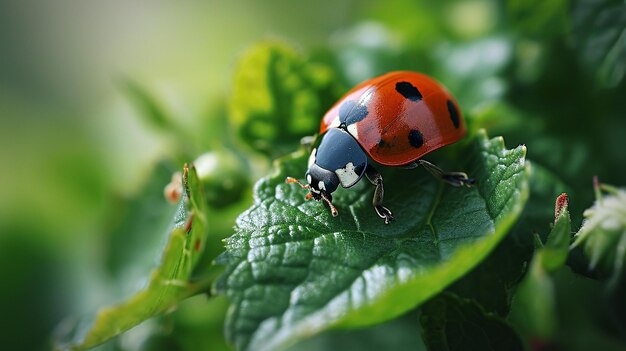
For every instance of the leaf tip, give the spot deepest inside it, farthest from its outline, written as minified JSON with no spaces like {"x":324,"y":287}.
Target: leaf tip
{"x":524,"y":149}
{"x":537,"y":243}
{"x":562,"y":201}
{"x":482,"y":132}
{"x":186,"y":177}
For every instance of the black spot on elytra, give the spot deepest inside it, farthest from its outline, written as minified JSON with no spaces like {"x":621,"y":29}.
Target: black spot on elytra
{"x":409,"y":91}
{"x":350,"y":112}
{"x":385,"y":144}
{"x":454,"y":114}
{"x":416,"y":139}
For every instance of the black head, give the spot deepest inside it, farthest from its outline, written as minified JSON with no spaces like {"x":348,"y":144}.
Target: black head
{"x":321,"y":181}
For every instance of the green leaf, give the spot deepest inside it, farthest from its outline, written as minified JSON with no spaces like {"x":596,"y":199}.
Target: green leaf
{"x":534,"y":306}
{"x":131,"y":258}
{"x":500,"y":273}
{"x":400,"y":334}
{"x":151,"y":110}
{"x":278,"y":98}
{"x":169,"y":281}
{"x":540,"y":19}
{"x":603,"y":233}
{"x":554,"y":252}
{"x":600,"y":37}
{"x":586,"y":318}
{"x":497,"y":276}
{"x":293,"y":270}
{"x":148,"y":106}
{"x":452,"y":323}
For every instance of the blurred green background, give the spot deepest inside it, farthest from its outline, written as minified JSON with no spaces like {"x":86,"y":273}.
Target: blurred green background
{"x":72,"y":145}
{"x":76,"y":152}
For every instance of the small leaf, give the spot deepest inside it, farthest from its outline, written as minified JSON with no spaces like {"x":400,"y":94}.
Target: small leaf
{"x":603,"y":233}
{"x":169,"y":281}
{"x":278,"y":98}
{"x":534,"y":306}
{"x":293,"y":270}
{"x":556,"y":247}
{"x":451,"y":323}
{"x":149,"y":108}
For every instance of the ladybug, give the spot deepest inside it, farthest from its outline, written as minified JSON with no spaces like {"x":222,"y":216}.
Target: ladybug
{"x":391,"y":120}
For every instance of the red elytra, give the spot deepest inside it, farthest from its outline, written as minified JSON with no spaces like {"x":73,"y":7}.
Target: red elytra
{"x":401,"y":105}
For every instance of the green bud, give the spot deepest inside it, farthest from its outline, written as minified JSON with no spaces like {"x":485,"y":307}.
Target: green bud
{"x":224,"y":176}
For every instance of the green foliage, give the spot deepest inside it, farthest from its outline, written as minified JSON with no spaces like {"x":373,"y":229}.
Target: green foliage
{"x":169,"y":281}
{"x":451,"y":323}
{"x":130,"y":258}
{"x":368,"y":50}
{"x":499,"y":274}
{"x":458,"y":269}
{"x":149,"y":107}
{"x":540,"y":19}
{"x":600,"y":35}
{"x":603,"y":233}
{"x":278,"y":97}
{"x":289,"y":281}
{"x":402,"y":334}
{"x":473,"y":70}
{"x":534,"y":308}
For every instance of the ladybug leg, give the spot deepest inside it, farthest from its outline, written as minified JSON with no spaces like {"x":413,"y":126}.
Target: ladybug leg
{"x":452,"y":178}
{"x":376,"y":179}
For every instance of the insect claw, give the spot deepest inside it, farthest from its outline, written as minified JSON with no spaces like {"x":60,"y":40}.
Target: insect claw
{"x":333,"y":209}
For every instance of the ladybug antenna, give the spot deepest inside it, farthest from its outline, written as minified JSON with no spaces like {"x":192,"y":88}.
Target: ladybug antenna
{"x":294,"y":180}
{"x":306,"y":187}
{"x":333,"y":209}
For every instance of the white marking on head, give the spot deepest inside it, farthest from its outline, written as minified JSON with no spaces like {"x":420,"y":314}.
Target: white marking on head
{"x":347,"y":175}
{"x":321,"y":185}
{"x":352,"y":130}
{"x":308,"y":179}
{"x":312,"y":157}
